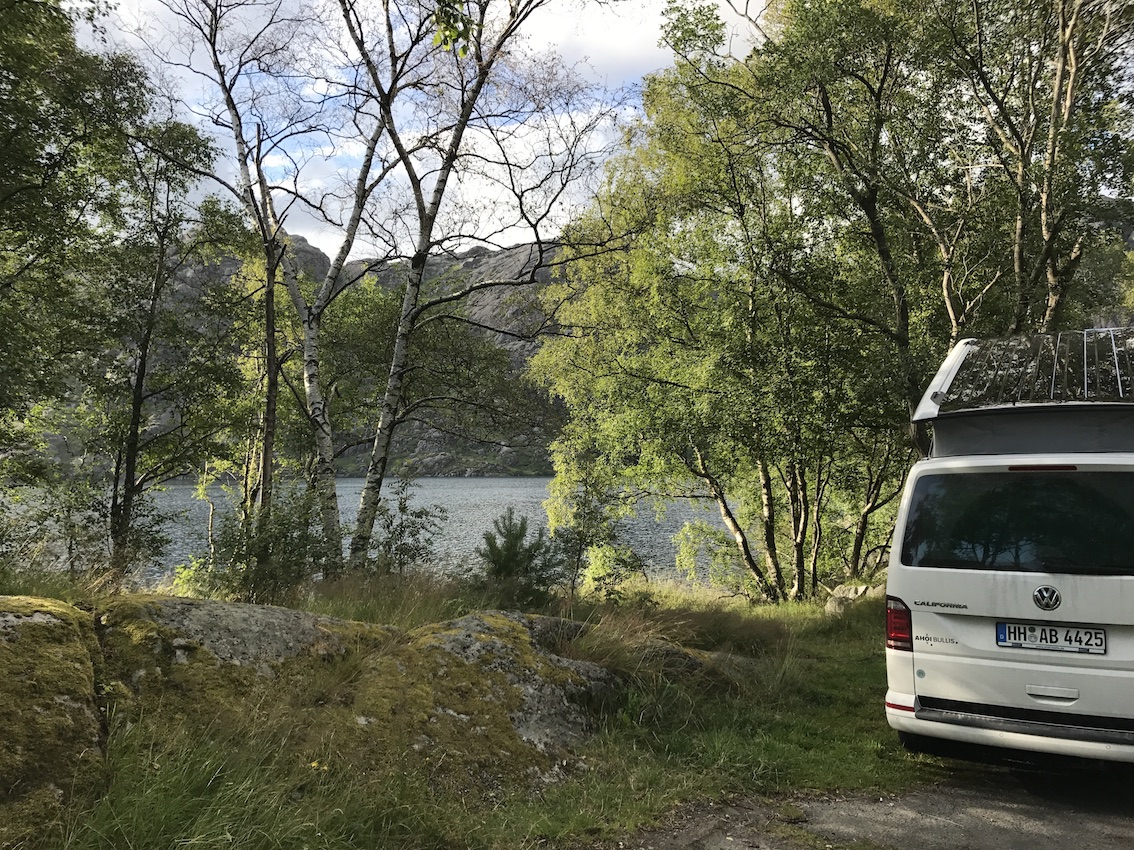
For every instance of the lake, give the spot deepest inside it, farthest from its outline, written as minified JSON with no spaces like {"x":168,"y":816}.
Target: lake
{"x":472,"y":505}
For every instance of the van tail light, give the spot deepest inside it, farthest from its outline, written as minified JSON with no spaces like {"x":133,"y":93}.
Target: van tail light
{"x":899,"y":625}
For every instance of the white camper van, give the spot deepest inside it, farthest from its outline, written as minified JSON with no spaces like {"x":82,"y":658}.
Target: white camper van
{"x":1010,"y":609}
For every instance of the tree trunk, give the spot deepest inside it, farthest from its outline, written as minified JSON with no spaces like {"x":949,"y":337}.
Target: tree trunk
{"x":262,"y":548}
{"x":371,"y":495}
{"x":822,"y":479}
{"x":768,"y":527}
{"x":319,"y":420}
{"x":911,"y":380}
{"x":126,"y":489}
{"x":767,"y":588}
{"x":800,"y":517}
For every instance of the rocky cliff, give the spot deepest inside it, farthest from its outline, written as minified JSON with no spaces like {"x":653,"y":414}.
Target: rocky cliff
{"x":509,"y":316}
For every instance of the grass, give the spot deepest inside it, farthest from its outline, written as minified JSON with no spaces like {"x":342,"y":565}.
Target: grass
{"x":50,"y":584}
{"x":798,"y":706}
{"x":720,"y":698}
{"x":404,"y":602}
{"x":249,"y":788}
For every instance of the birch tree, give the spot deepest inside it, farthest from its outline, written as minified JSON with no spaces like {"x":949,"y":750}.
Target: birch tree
{"x":972,"y":150}
{"x":239,"y":52}
{"x":262,"y":63}
{"x":488,"y":143}
{"x":690,"y":369}
{"x":803,"y":231}
{"x":1051,"y":83}
{"x":409,"y":105}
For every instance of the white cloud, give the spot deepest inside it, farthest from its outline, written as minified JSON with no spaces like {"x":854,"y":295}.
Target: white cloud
{"x":619,"y":40}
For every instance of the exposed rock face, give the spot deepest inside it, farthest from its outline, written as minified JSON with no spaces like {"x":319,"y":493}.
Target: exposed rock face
{"x":254,"y":636}
{"x":510,"y":316}
{"x":552,"y":693}
{"x":845,"y":595}
{"x":482,"y":696}
{"x":512,"y":309}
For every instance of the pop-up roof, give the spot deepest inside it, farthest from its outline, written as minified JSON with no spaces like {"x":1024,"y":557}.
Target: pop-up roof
{"x":1076,"y":389}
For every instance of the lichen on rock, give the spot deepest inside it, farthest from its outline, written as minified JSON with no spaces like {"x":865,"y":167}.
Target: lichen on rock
{"x":547,"y":708}
{"x":481,"y":704}
{"x":51,"y":748}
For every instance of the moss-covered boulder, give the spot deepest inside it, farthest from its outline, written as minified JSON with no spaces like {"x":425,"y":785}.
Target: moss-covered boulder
{"x":51,"y":742}
{"x":499,"y":700}
{"x":479,"y":705}
{"x":194,"y":657}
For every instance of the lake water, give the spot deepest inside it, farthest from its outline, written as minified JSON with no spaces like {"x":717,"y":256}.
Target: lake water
{"x":472,"y":505}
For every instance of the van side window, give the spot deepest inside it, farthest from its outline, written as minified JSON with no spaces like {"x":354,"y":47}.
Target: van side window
{"x":1046,"y":521}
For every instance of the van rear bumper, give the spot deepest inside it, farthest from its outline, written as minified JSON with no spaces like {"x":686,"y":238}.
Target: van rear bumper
{"x":1048,"y":724}
{"x":1111,"y":739}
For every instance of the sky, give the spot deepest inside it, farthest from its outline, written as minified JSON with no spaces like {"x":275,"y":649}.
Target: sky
{"x":620,"y":40}
{"x":616,"y":41}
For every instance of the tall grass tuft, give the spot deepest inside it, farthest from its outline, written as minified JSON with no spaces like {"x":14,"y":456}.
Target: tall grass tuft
{"x":49,"y":583}
{"x":251,"y":787}
{"x":406,"y":602}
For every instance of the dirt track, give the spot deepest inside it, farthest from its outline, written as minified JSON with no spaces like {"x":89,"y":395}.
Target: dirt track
{"x":997,"y":809}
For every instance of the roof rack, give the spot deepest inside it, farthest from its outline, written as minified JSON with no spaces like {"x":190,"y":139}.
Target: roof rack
{"x":1093,"y":366}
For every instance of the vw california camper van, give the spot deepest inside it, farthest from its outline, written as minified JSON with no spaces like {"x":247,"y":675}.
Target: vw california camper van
{"x":1010,"y":590}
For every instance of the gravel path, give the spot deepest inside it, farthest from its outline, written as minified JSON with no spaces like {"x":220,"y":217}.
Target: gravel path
{"x":998,"y":809}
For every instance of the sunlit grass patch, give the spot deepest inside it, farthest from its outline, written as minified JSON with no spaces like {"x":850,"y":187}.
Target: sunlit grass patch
{"x":406,"y":602}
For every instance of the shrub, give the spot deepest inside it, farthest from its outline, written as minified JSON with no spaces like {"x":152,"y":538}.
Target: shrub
{"x":404,"y":534}
{"x":612,"y":568}
{"x":237,"y":568}
{"x":521,"y":572}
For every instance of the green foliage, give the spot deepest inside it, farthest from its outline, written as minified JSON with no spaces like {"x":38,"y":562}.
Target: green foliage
{"x":583,"y":511}
{"x":693,"y":30}
{"x":611,"y":567}
{"x":691,"y":363}
{"x":57,"y":525}
{"x":67,"y":114}
{"x":122,"y":374}
{"x":236,"y":567}
{"x":706,"y":553}
{"x":794,"y":239}
{"x":159,"y":390}
{"x":292,"y":539}
{"x":357,"y":341}
{"x":455,"y":27}
{"x":405,"y":533}
{"x":518,"y":570}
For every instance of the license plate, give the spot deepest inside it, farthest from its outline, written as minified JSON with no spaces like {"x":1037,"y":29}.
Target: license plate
{"x":1083,"y":639}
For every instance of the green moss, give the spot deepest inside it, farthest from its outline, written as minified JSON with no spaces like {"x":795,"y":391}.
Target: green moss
{"x":348,"y":714}
{"x":789,"y":812}
{"x":144,"y":668}
{"x":52,"y":745}
{"x":408,"y":700}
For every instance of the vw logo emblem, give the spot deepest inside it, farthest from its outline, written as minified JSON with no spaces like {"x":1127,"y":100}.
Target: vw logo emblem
{"x":1047,"y":598}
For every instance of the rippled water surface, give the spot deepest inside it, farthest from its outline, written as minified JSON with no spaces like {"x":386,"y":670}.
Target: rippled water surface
{"x":472,"y":504}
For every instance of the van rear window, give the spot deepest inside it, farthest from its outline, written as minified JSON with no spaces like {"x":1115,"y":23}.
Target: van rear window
{"x":1036,"y":520}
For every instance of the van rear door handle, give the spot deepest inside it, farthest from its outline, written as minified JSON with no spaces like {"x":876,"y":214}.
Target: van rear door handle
{"x":1052,"y":693}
